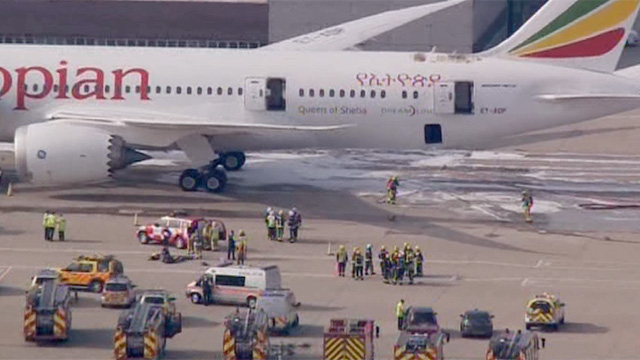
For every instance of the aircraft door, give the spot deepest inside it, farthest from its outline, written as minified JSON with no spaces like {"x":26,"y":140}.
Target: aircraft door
{"x":444,"y":98}
{"x":255,"y":91}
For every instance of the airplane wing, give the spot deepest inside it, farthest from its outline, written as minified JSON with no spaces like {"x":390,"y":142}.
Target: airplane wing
{"x":350,"y":34}
{"x":201,"y":126}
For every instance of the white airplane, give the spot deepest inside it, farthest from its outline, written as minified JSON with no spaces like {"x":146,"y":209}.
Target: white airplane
{"x":78,"y":113}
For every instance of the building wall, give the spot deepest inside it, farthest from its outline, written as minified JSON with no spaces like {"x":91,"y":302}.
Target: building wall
{"x":449,"y":30}
{"x":192,"y":20}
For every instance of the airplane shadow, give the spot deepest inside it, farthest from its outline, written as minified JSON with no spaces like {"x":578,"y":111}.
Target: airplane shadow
{"x":11,"y":291}
{"x":197,"y":322}
{"x":557,"y":135}
{"x":89,"y":338}
{"x":583,"y":328}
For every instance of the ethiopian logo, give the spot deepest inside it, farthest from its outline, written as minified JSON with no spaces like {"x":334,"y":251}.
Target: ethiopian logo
{"x":587,"y":28}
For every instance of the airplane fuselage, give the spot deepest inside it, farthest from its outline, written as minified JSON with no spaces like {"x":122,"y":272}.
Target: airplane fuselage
{"x":390,"y":100}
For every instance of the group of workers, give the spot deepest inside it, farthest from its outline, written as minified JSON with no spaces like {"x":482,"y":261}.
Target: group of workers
{"x":394,"y":266}
{"x":52,"y":221}
{"x":276,"y":221}
{"x":201,"y":234}
{"x":237,"y":247}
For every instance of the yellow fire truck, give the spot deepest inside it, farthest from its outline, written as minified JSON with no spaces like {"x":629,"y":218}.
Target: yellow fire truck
{"x":348,"y":339}
{"x":420,"y":346}
{"x":544,"y":310}
{"x":47,"y":314}
{"x":246,"y":336}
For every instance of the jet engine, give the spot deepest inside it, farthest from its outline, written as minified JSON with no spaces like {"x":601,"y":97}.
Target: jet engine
{"x":59,"y":153}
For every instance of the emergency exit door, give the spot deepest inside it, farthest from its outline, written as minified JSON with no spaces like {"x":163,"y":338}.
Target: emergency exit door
{"x":444,"y":98}
{"x":254,"y":95}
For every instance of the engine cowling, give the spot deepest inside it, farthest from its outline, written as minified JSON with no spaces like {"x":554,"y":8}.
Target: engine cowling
{"x":58,"y":153}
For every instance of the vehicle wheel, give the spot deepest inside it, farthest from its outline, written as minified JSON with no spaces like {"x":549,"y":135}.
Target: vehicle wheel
{"x":95,"y":286}
{"x":215,"y":180}
{"x":233,"y":161}
{"x":195,"y":298}
{"x":251,"y":302}
{"x":181,"y":243}
{"x":189,"y":180}
{"x":143,"y":238}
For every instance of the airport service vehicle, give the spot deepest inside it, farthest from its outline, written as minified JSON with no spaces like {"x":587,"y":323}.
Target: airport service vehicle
{"x":142,"y":332}
{"x":515,"y":346}
{"x":175,"y":231}
{"x":545,"y":311}
{"x":245,"y":336}
{"x":159,"y":297}
{"x":350,"y":339}
{"x":118,"y":292}
{"x":281,"y":308}
{"x":476,"y":323}
{"x":236,"y":284}
{"x":47,"y":314}
{"x":112,"y":103}
{"x":420,"y":320}
{"x":420,"y":346}
{"x":90,"y":272}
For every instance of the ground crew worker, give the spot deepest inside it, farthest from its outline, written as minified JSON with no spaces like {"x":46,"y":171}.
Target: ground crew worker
{"x":242,"y":247}
{"x":419,"y":260}
{"x":271,"y":226}
{"x":383,"y":256}
{"x":50,"y":225}
{"x":231,"y":246}
{"x":341,"y":258}
{"x":368,"y":261}
{"x":62,"y":226}
{"x":206,"y":289}
{"x":399,"y":274}
{"x":206,"y":235}
{"x":197,"y":246}
{"x":409,"y":264}
{"x":392,"y":189}
{"x":359,"y":265}
{"x":294,"y":222}
{"x":527,"y":204}
{"x":400,"y":313}
{"x":393,"y":268}
{"x":44,"y":225}
{"x":280,"y":225}
{"x":353,"y":262}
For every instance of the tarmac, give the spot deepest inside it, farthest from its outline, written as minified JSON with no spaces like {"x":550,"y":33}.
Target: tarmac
{"x":461,"y":208}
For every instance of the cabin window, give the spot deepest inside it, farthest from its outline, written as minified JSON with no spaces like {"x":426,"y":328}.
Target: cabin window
{"x":404,"y":94}
{"x":321,"y":92}
{"x":332,"y":93}
{"x":239,"y":91}
{"x":199,"y":90}
{"x":178,"y":90}
{"x":168,"y":89}
{"x":352,"y":93}
{"x":383,"y":94}
{"x":127,"y":89}
{"x":219,"y":91}
{"x":342,"y":93}
{"x":415,"y":94}
{"x":107,"y":88}
{"x":138,"y":89}
{"x":35,"y":87}
{"x":373,"y":94}
{"x":86,"y":88}
{"x":55,"y":88}
{"x":188,"y":90}
{"x":363,"y":93}
{"x":229,"y":91}
{"x":209,"y":91}
{"x":312,"y":93}
{"x":158,"y":89}
{"x":301,"y":92}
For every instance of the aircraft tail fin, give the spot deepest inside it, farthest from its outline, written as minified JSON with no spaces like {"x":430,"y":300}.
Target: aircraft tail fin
{"x":586,"y":34}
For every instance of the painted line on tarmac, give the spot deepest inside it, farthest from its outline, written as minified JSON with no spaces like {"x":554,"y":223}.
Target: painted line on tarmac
{"x":5,"y":271}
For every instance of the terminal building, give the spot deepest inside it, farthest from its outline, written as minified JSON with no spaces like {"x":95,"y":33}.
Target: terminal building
{"x":473,"y":26}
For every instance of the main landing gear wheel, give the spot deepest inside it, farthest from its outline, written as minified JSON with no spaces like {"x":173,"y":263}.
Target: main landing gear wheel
{"x":214,"y":180}
{"x":189,"y":180}
{"x":233,"y":161}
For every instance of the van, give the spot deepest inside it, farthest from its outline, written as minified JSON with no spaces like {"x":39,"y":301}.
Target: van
{"x":236,"y":284}
{"x":281,"y":308}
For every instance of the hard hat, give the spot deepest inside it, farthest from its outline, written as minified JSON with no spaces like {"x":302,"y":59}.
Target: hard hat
{"x":280,"y":212}
{"x":294,"y":209}
{"x":395,"y":248}
{"x":341,"y":247}
{"x":269,"y":209}
{"x":417,"y":247}
{"x":382,"y":247}
{"x":241,"y":232}
{"x":368,"y":246}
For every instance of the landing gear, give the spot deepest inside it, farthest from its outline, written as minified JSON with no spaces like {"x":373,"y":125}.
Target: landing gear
{"x":209,"y":177}
{"x":233,"y":161}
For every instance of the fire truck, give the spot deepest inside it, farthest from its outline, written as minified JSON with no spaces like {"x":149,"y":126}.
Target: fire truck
{"x":420,"y":346}
{"x":142,"y":332}
{"x":246,"y":336}
{"x":350,"y":339}
{"x":47,"y":314}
